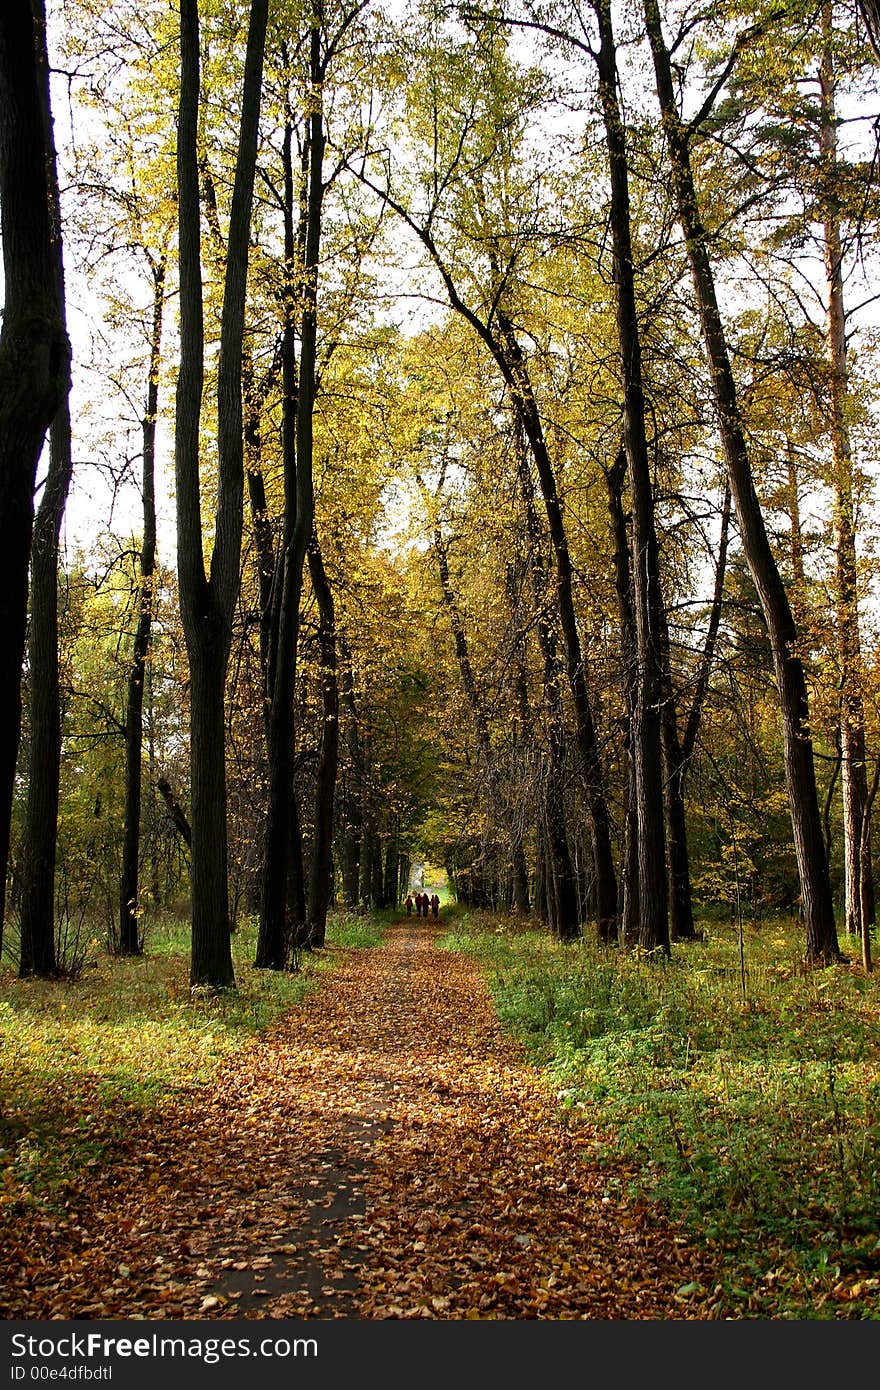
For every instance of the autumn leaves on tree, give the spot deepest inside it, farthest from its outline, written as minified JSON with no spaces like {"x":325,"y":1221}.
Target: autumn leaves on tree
{"x":522,"y":586}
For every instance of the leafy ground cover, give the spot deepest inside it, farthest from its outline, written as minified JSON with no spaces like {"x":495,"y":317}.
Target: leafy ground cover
{"x":83,"y":1060}
{"x":749,"y":1109}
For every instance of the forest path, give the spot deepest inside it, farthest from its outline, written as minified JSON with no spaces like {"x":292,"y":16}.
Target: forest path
{"x":383,"y":1151}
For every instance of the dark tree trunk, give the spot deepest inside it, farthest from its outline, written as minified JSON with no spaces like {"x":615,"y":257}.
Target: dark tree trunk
{"x":646,"y":741}
{"x":377,"y":879}
{"x":130,"y":940}
{"x":800,"y":773}
{"x":261,"y":522}
{"x":34,"y":347}
{"x":39,"y":851}
{"x":207,"y":600}
{"x":178,"y":816}
{"x":392,"y":867}
{"x":859,"y":910}
{"x":353,"y":791}
{"x":507,"y":813}
{"x":629,"y":876}
{"x":321,"y":874}
{"x":299,"y":401}
{"x":512,"y":362}
{"x":296,"y":874}
{"x":553,"y":836}
{"x":677,"y":752}
{"x":519,"y":884}
{"x":37,"y":891}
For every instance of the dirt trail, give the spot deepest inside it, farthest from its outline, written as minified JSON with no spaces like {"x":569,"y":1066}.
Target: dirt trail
{"x":384,"y":1151}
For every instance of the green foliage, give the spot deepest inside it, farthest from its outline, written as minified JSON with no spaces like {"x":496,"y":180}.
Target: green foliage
{"x":754,"y":1119}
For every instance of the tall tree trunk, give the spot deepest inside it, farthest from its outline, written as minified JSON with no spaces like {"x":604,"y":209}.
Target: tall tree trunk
{"x":512,"y":361}
{"x":299,"y":506}
{"x":377,"y":877}
{"x":800,"y":773}
{"x":207,"y":600}
{"x":37,"y":895}
{"x":37,"y":900}
{"x":261,"y":521}
{"x":681,"y":908}
{"x":34,"y":347}
{"x":646,"y":735}
{"x":478,"y":714}
{"x":130,"y":942}
{"x":392,"y":866}
{"x":557,"y":867}
{"x":352,"y":796}
{"x":321,"y":874}
{"x":629,"y":876}
{"x":678,"y":750}
{"x":858,"y":878}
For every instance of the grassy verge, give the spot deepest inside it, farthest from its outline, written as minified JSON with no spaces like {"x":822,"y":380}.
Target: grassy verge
{"x":83,"y":1060}
{"x":754,"y":1117}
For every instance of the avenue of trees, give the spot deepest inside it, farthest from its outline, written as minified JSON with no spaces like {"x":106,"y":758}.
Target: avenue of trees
{"x":496,"y":385}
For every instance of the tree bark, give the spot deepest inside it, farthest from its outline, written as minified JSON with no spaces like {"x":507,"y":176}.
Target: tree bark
{"x":560,"y":907}
{"x":646,"y":721}
{"x":628,"y":876}
{"x":514,"y":368}
{"x":352,"y":791}
{"x":299,"y":400}
{"x":858,"y":877}
{"x":321,"y":872}
{"x":207,"y":600}
{"x":130,"y":938}
{"x":34,"y":347}
{"x":40,"y":841}
{"x":800,"y":773}
{"x":478,"y":716}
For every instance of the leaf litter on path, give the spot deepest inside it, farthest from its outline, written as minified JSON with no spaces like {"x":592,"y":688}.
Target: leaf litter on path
{"x":383,"y":1151}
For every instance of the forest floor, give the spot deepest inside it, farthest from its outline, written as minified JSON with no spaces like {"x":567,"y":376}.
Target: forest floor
{"x":383,"y":1150}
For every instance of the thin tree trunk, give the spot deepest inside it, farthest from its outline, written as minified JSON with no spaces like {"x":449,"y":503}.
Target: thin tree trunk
{"x":678,"y":751}
{"x":377,"y":877}
{"x":352,"y":798}
{"x":821,"y":933}
{"x":478,"y":714}
{"x":628,"y":876}
{"x":510,"y":357}
{"x":321,"y":875}
{"x":858,"y":877}
{"x":130,"y":940}
{"x":557,"y":866}
{"x":34,"y":347}
{"x":646,"y":732}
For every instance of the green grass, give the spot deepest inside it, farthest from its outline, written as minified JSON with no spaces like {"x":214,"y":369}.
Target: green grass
{"x":82,"y":1059}
{"x":754,"y":1120}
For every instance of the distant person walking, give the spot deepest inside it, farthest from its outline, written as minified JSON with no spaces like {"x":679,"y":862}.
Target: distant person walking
{"x":418,"y":904}
{"x":435,"y":905}
{"x":409,"y":904}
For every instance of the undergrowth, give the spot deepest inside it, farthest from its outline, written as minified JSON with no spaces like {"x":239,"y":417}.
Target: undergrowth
{"x":83,"y":1059}
{"x":753,"y":1118}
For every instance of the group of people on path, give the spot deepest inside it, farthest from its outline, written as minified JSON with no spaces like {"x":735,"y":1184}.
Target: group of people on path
{"x":423,"y":904}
